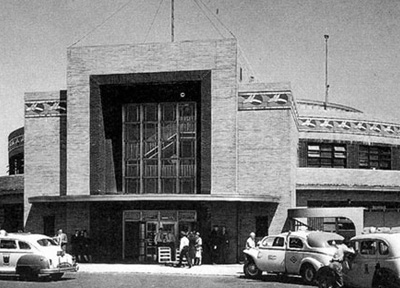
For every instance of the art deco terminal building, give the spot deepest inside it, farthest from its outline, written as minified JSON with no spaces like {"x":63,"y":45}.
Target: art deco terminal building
{"x":180,"y":136}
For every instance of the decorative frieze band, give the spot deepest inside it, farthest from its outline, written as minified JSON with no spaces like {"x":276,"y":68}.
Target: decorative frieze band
{"x":348,"y":126}
{"x":48,"y":108}
{"x":264,"y":100}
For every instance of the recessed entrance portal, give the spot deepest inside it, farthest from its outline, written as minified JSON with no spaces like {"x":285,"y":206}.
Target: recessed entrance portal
{"x":145,"y":231}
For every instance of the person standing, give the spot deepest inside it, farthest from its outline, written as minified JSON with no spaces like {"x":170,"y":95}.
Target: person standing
{"x":199,"y":249}
{"x":224,"y":244}
{"x":75,"y":245}
{"x":184,"y":250}
{"x":171,"y":243}
{"x":215,"y":245}
{"x":192,"y":246}
{"x":337,"y":261}
{"x":251,"y":241}
{"x":61,"y":239}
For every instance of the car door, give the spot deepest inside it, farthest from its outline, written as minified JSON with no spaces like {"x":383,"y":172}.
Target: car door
{"x":294,"y":254}
{"x":362,"y":267}
{"x":8,"y":256}
{"x":272,"y":254}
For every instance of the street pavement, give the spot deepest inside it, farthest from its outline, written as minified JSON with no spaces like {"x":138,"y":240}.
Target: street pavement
{"x":206,"y":270}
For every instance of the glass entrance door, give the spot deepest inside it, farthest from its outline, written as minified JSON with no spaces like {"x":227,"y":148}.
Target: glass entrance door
{"x":151,"y":249}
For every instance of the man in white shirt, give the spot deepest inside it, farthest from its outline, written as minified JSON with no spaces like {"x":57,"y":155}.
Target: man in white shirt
{"x":184,"y":250}
{"x":251,"y":241}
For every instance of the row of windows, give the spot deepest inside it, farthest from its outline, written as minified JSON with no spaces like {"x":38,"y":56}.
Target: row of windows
{"x":335,"y":156}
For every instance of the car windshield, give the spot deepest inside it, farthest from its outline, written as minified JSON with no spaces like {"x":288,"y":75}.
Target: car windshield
{"x":46,"y":242}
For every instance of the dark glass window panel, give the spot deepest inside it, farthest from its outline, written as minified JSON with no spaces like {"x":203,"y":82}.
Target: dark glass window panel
{"x":150,"y":185}
{"x":168,"y":149}
{"x":168,"y":185}
{"x":187,"y":149}
{"x":150,"y":132}
{"x":132,"y":113}
{"x":186,"y":168}
{"x":150,"y":168}
{"x":132,"y":132}
{"x":313,"y":162}
{"x":132,"y":186}
{"x":186,"y":186}
{"x":168,"y":168}
{"x":132,"y":151}
{"x":150,"y":150}
{"x":168,"y":112}
{"x":133,"y":169}
{"x":168,"y":131}
{"x":150,"y":113}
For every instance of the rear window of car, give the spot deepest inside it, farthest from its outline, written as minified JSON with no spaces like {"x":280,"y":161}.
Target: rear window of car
{"x":24,"y":245}
{"x":295,"y":243}
{"x":46,"y":242}
{"x":8,"y":244}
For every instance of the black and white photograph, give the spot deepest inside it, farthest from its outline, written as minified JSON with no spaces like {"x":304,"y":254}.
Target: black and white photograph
{"x":200,"y":143}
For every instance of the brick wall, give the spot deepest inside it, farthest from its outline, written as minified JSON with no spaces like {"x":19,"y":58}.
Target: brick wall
{"x":44,"y":160}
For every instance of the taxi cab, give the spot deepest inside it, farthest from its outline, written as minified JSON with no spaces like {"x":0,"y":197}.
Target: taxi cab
{"x":376,"y":262}
{"x":31,"y":255}
{"x":293,"y":253}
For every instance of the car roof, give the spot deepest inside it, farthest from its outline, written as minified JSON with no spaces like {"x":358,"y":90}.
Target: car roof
{"x":24,"y":236}
{"x":391,"y":238}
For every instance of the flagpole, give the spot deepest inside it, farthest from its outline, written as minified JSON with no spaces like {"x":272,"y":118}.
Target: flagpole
{"x":172,"y":21}
{"x":326,"y":71}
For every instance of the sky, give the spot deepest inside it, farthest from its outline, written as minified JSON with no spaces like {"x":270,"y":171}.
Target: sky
{"x":283,"y":41}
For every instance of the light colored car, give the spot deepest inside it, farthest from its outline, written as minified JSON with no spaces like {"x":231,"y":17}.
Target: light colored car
{"x":293,"y":253}
{"x":376,"y":262}
{"x":32,"y":255}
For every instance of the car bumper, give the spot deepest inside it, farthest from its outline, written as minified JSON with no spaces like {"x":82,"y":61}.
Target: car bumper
{"x":70,"y":268}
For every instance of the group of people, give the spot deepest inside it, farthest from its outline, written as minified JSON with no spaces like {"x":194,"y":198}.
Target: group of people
{"x":190,"y":247}
{"x":80,"y":243}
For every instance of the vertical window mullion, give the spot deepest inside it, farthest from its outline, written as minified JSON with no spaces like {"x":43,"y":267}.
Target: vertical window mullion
{"x":141,"y":108}
{"x":177,"y":149}
{"x":124,"y":190}
{"x":195,"y":149}
{"x":159,"y":148}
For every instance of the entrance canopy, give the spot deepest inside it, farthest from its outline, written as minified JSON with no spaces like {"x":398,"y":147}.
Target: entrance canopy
{"x":155,"y":197}
{"x":355,"y":214}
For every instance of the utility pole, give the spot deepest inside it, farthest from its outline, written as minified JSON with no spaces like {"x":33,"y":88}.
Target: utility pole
{"x":172,"y":21}
{"x":326,"y":71}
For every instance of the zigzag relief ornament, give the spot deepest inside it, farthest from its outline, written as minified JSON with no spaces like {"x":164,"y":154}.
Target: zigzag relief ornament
{"x":45,"y":108}
{"x":261,"y":100}
{"x":349,"y":126}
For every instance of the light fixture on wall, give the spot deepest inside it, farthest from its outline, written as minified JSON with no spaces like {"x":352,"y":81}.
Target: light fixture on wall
{"x":182,"y":94}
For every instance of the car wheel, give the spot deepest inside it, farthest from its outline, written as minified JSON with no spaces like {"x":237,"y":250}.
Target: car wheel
{"x":308,"y":273}
{"x":251,"y":270}
{"x":325,"y":278}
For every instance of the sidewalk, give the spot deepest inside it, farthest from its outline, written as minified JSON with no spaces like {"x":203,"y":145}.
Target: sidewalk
{"x":210,"y":270}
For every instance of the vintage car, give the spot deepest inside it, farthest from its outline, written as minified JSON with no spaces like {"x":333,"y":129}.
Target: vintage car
{"x":31,"y":255}
{"x":296,"y":253}
{"x":376,"y":262}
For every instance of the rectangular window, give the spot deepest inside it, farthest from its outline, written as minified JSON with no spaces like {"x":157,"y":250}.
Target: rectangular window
{"x":375,"y":157}
{"x":160,"y":148}
{"x":326,"y":155}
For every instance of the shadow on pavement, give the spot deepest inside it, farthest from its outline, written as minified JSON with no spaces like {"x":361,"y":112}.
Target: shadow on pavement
{"x":270,"y":278}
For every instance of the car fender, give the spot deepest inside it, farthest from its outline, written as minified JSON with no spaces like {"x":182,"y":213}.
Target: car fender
{"x":34,"y":261}
{"x":252,"y":253}
{"x":309,"y":260}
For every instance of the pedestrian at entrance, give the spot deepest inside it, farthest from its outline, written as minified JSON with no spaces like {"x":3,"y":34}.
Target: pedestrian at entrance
{"x":184,"y":250}
{"x":75,"y":243}
{"x":86,"y":243}
{"x":337,"y":261}
{"x":224,"y":244}
{"x":159,"y":237}
{"x":199,"y":249}
{"x":251,"y":241}
{"x":192,"y":246}
{"x":171,"y":243}
{"x":61,"y":239}
{"x":215,"y":245}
